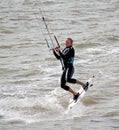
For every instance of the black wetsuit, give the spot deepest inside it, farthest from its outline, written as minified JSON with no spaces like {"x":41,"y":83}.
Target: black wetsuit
{"x":67,"y":55}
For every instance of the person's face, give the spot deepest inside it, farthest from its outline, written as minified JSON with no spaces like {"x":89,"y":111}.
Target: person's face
{"x":68,"y":43}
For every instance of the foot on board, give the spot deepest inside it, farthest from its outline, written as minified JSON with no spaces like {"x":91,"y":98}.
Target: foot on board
{"x":76,"y":97}
{"x":86,"y":86}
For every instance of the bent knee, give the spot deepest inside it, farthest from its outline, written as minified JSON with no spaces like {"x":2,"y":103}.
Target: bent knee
{"x":71,"y":80}
{"x":65,"y":87}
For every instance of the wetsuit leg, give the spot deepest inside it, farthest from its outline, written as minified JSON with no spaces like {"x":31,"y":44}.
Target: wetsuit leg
{"x":70,"y":74}
{"x":63,"y":80}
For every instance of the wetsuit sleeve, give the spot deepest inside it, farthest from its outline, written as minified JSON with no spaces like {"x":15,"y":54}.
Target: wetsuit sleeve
{"x":67,"y":55}
{"x":62,"y":55}
{"x":56,"y":55}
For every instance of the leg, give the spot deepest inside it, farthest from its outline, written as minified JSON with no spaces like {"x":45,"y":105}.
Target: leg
{"x":78,"y":82}
{"x":69,"y":76}
{"x":71,"y":80}
{"x":63,"y":83}
{"x":72,"y":91}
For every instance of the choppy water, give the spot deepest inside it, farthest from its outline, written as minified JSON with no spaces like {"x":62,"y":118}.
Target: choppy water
{"x":30,"y":96}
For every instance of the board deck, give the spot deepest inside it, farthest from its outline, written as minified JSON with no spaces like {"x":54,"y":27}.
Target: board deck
{"x":81,"y":92}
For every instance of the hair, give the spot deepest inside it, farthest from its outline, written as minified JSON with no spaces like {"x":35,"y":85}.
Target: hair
{"x":70,"y":40}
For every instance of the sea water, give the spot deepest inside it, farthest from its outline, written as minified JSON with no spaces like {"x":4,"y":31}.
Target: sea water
{"x":30,"y":93}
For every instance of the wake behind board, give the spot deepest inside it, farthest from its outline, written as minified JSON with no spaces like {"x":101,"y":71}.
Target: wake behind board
{"x":81,"y":92}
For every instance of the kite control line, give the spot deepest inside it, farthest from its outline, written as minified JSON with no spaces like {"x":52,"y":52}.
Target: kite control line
{"x":46,"y":25}
{"x":48,"y":45}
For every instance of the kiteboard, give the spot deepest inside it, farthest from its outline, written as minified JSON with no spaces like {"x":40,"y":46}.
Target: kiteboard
{"x":81,"y":92}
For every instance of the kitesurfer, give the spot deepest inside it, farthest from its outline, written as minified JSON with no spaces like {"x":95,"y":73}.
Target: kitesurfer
{"x":67,"y":55}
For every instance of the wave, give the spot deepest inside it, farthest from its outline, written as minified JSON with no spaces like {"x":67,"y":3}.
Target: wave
{"x":6,"y":46}
{"x":112,"y":114}
{"x":89,"y":101}
{"x":86,"y":45}
{"x":51,"y":105}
